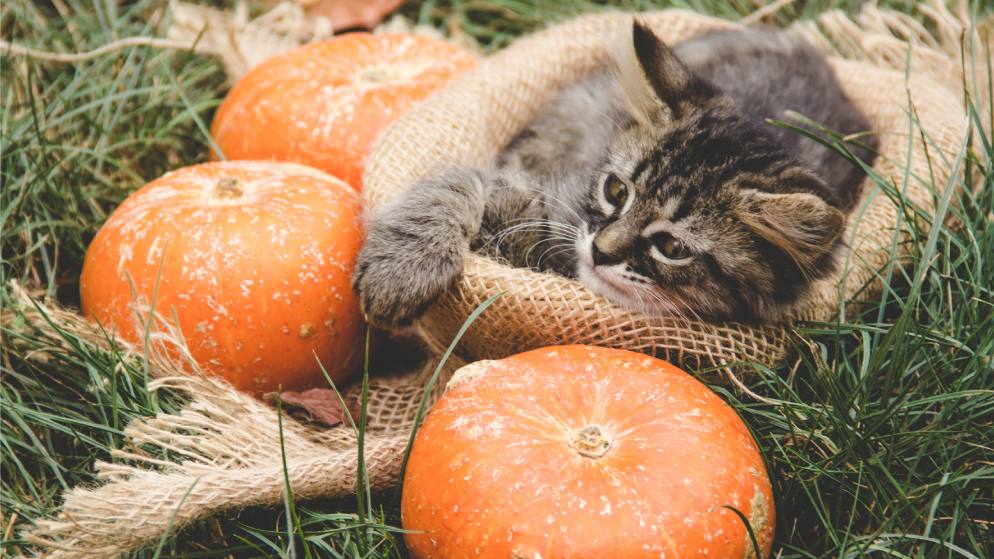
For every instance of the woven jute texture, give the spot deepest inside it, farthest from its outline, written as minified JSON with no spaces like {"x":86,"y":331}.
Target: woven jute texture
{"x":470,"y":122}
{"x":223,"y":452}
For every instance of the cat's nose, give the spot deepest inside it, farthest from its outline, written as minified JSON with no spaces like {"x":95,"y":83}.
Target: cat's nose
{"x":600,"y":257}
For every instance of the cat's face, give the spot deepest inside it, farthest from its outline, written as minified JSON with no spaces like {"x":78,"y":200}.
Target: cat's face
{"x":696,"y":210}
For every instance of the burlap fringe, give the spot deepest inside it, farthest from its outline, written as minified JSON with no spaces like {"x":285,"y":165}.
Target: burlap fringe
{"x":944,"y":47}
{"x":222,"y":451}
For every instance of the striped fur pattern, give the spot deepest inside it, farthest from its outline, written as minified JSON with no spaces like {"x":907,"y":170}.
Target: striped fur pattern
{"x":658,"y":181}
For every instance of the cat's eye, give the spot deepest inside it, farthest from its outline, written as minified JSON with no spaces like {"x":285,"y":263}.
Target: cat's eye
{"x":615,"y":191}
{"x":671,"y":247}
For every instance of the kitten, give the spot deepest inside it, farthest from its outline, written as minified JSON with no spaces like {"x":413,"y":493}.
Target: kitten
{"x":656,"y":181}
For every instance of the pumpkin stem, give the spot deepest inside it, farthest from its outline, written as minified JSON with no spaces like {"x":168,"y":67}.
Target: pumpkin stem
{"x":227,"y":188}
{"x":590,"y":441}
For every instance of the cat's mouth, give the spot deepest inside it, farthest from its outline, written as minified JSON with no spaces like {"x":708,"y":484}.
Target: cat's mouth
{"x":610,"y":281}
{"x":620,"y":284}
{"x":615,"y":277}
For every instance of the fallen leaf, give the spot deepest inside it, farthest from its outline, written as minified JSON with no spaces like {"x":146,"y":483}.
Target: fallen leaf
{"x":349,"y":14}
{"x":322,"y":405}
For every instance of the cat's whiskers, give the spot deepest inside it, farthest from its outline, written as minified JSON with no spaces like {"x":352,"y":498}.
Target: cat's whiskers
{"x":539,"y":224}
{"x":558,"y":249}
{"x":561,"y":243}
{"x":548,"y":196}
{"x":663,"y":303}
{"x":498,"y":238}
{"x":556,"y":231}
{"x":703,"y":302}
{"x":499,"y":246}
{"x":680,"y":307}
{"x":644,"y":306}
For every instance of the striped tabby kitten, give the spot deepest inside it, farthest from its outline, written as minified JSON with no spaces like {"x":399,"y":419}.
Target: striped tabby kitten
{"x":656,"y":181}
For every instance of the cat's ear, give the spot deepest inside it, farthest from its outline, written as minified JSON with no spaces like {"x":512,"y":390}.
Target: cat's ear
{"x":653,"y":76}
{"x":802,"y":225}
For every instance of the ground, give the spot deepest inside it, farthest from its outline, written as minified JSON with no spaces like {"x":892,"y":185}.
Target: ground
{"x":879,"y":434}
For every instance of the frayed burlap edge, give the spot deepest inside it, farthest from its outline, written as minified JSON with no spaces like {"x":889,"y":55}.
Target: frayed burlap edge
{"x":221,"y":452}
{"x":223,"y":447}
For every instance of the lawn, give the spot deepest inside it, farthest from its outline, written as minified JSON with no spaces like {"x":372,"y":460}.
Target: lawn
{"x":878,"y":431}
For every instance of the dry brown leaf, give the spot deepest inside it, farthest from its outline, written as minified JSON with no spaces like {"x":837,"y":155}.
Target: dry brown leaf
{"x":322,"y":405}
{"x":348,"y":14}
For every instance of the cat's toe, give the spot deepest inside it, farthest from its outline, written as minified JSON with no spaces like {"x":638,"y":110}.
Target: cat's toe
{"x":391,"y":304}
{"x":385,"y":305}
{"x":378,"y":297}
{"x":385,"y":308}
{"x":393,"y":292}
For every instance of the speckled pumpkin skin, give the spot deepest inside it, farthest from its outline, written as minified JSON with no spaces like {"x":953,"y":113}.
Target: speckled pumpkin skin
{"x":255,"y":262}
{"x":505,"y":465}
{"x":324,"y":104}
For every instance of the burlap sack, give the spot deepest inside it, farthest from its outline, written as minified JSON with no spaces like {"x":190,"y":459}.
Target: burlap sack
{"x":471,"y":121}
{"x":223,"y":448}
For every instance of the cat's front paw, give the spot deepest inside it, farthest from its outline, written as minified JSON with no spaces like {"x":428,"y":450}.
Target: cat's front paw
{"x":401,"y":271}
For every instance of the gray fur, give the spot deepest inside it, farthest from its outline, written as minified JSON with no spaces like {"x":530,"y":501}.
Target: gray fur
{"x":760,"y":208}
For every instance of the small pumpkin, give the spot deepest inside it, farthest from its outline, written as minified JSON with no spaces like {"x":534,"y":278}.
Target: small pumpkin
{"x":253,"y":258}
{"x":580,"y":451}
{"x":324,"y":104}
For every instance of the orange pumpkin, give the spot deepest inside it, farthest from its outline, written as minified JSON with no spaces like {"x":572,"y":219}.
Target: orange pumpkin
{"x":579,"y":451}
{"x":323,"y":104}
{"x":253,"y":258}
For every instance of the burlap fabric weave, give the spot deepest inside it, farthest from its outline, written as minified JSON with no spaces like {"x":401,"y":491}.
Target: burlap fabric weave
{"x":222,"y":452}
{"x":470,"y":122}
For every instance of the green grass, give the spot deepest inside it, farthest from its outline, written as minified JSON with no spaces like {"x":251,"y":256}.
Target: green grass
{"x":880,"y":436}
